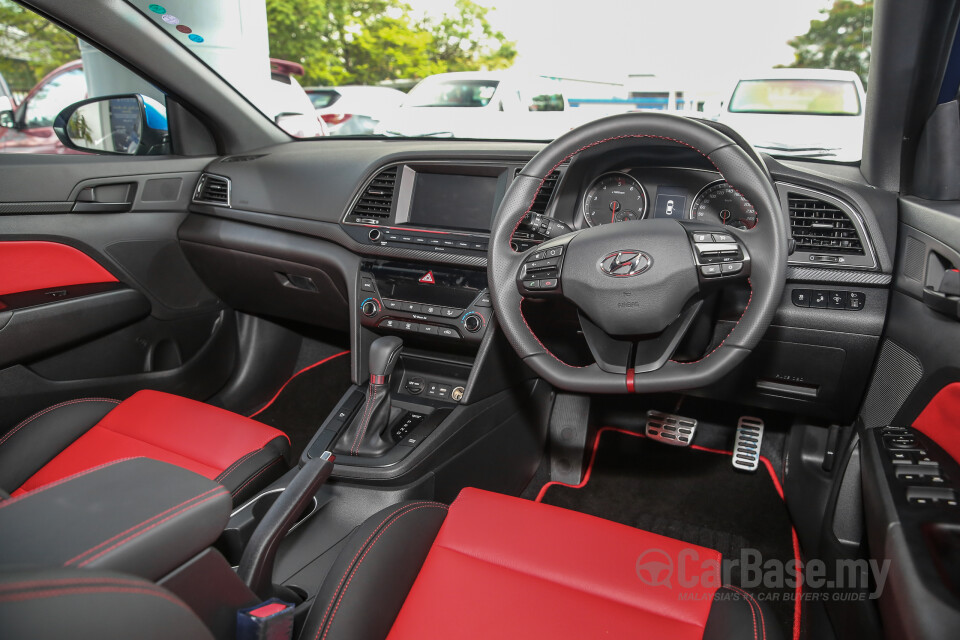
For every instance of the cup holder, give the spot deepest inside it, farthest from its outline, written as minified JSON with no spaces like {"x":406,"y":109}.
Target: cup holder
{"x":245,"y":519}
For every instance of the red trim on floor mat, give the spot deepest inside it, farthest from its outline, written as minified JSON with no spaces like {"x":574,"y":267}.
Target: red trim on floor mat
{"x":290,"y":379}
{"x":798,"y":602}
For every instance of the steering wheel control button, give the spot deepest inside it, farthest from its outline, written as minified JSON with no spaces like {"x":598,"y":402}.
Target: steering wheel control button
{"x":550,"y":283}
{"x":702,"y":237}
{"x":710,"y":270}
{"x":532,"y":285}
{"x":415,"y":386}
{"x":746,"y":446}
{"x":800,"y":297}
{"x":670,"y":429}
{"x":730,"y":268}
{"x":723,"y":237}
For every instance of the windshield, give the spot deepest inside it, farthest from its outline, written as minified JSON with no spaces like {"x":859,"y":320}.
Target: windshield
{"x":452,"y":93}
{"x":529,"y":71}
{"x":817,"y":97}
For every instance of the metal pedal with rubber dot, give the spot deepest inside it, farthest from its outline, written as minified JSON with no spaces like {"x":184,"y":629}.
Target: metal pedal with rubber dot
{"x":746,"y":448}
{"x":670,"y":428}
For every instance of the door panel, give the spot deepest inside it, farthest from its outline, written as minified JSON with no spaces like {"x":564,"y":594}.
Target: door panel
{"x":98,"y":302}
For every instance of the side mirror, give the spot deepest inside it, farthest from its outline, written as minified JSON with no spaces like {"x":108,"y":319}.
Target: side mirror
{"x":132,"y":125}
{"x":301,"y":125}
{"x":8,"y":119}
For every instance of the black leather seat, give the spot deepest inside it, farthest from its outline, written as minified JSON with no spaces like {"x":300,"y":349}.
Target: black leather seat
{"x":241,"y":454}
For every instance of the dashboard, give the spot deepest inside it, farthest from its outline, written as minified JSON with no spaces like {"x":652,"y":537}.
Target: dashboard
{"x":380,"y":237}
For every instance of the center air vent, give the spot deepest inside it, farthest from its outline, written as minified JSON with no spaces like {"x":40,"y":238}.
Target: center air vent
{"x":376,"y":201}
{"x":819,"y":226}
{"x":212,"y":190}
{"x":545,"y":194}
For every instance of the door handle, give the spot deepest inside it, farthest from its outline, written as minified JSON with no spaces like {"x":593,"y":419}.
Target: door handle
{"x":106,"y":198}
{"x":946,"y":297}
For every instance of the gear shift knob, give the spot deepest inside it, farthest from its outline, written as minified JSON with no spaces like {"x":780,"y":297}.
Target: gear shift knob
{"x":384,"y":353}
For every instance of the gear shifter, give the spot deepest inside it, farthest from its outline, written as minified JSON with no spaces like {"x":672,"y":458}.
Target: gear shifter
{"x":365,"y":437}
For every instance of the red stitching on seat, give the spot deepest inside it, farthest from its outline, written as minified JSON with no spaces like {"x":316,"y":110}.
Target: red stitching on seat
{"x":8,"y":502}
{"x":357,"y":566}
{"x":360,"y":550}
{"x":726,"y":337}
{"x":53,"y":593}
{"x":183,"y":510}
{"x":755,"y":611}
{"x":27,"y":584}
{"x":49,"y":409}
{"x":147,"y":521}
{"x":237,"y":491}
{"x":223,"y":475}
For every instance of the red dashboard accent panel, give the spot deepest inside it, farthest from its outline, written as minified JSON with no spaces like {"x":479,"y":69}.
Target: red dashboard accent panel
{"x":940,"y":420}
{"x":31,"y":265}
{"x":529,"y":570}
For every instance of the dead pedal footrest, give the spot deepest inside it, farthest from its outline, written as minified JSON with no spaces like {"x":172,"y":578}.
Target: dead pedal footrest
{"x":670,"y":428}
{"x":746,"y":448}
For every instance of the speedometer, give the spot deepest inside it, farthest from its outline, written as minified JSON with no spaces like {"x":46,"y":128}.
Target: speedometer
{"x":614,"y":197}
{"x":719,"y":202}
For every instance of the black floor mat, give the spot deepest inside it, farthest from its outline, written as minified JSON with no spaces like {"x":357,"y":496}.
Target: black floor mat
{"x":691,"y":495}
{"x":306,"y":400}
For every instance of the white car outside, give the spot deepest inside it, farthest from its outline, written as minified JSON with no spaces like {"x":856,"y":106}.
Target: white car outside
{"x":480,"y":104}
{"x":354,"y":110}
{"x":809,"y":113}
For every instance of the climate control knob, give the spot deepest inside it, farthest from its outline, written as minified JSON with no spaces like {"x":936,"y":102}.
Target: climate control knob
{"x":473,"y":322}
{"x":370,"y":307}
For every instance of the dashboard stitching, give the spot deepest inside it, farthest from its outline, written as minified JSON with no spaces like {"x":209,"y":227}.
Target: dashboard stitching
{"x":603,"y":141}
{"x":727,"y":337}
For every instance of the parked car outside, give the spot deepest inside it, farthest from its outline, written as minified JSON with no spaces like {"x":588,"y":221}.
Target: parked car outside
{"x":28,"y":128}
{"x":354,"y":110}
{"x":481,"y":104}
{"x":811,"y":113}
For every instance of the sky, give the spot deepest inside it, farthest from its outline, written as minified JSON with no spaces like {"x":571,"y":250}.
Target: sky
{"x":675,"y":39}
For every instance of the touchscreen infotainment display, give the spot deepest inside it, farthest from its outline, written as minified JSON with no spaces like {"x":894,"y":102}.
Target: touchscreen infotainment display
{"x":453,"y":201}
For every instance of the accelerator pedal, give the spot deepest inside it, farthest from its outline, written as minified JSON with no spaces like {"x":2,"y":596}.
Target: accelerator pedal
{"x":670,"y":428}
{"x":746,"y":449}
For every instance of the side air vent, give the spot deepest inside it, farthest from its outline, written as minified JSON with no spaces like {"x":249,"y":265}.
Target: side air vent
{"x":376,"y":200}
{"x":212,"y":190}
{"x":546,"y":193}
{"x":819,"y":226}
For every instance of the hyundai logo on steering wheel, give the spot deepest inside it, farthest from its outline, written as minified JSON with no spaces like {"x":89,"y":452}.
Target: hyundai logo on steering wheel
{"x":625,"y":263}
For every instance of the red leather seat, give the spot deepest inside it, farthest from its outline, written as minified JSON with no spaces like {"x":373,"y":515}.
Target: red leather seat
{"x":239,"y":453}
{"x":493,"y":566}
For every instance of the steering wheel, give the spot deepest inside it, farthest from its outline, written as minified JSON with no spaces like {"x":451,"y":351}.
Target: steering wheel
{"x":639,"y":284}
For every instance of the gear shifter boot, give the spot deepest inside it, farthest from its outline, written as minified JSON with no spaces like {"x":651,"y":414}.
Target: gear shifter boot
{"x":365,"y":436}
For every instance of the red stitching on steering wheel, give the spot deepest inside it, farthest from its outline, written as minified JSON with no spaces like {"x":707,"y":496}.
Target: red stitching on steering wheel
{"x":589,"y":146}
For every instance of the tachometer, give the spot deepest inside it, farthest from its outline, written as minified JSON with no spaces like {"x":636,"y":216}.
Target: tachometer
{"x":614,"y":197}
{"x":719,"y":202}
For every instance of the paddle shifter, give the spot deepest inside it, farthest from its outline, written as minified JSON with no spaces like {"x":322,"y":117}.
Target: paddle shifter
{"x":366,"y":436}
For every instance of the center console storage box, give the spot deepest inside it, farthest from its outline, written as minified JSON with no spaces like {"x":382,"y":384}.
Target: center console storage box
{"x":137,"y":516}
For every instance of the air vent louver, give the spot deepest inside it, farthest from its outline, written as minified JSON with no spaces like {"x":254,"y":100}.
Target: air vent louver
{"x":213,"y":190}
{"x":821,"y":227}
{"x":376,"y":200}
{"x":546,"y":193}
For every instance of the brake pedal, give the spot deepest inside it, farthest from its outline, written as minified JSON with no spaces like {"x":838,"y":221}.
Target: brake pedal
{"x":670,"y":428}
{"x":746,"y":448}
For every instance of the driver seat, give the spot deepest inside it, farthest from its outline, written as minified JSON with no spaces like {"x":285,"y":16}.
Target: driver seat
{"x":493,"y":566}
